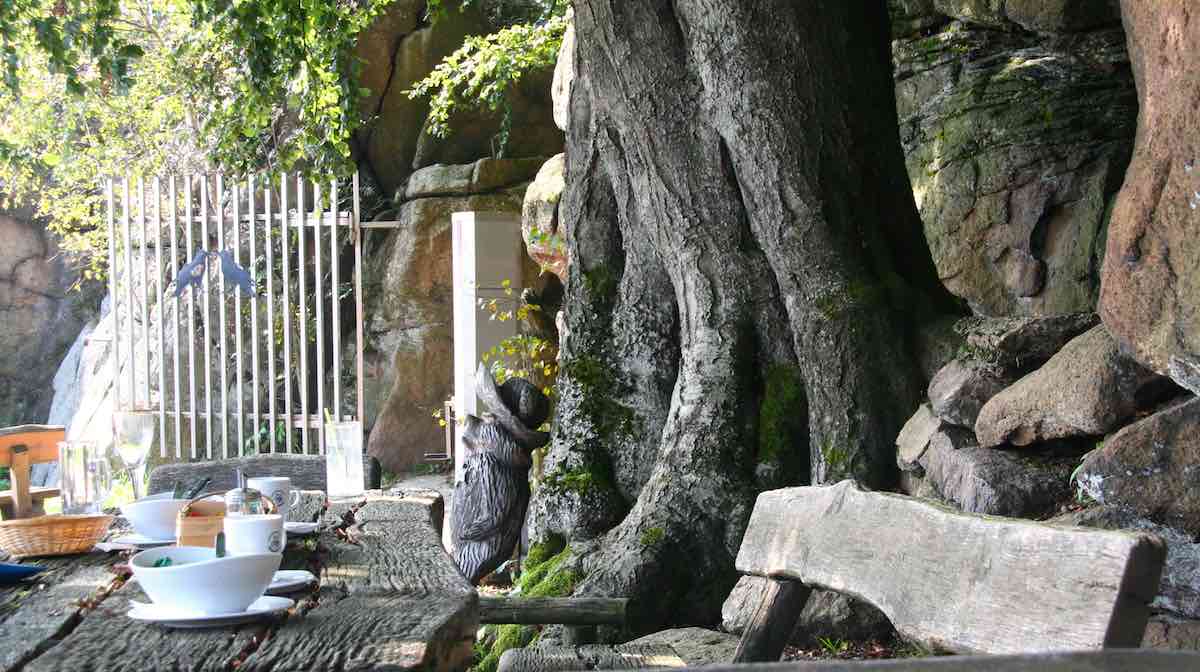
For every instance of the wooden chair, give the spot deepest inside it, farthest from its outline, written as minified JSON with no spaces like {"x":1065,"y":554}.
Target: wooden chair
{"x":20,"y":448}
{"x":306,"y":471}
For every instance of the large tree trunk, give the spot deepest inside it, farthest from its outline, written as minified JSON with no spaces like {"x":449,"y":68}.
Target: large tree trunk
{"x":742,"y":237}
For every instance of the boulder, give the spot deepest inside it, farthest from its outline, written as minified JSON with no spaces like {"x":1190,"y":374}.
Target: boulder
{"x":409,"y":326}
{"x":826,"y":614}
{"x":1151,"y":467}
{"x":958,"y":392}
{"x":995,"y":482}
{"x":694,"y":646}
{"x":1024,"y":343}
{"x":480,"y":177}
{"x":40,"y":317}
{"x":1151,"y":275}
{"x":914,"y":438}
{"x":376,"y":48}
{"x":564,"y":73}
{"x":1087,"y":389}
{"x":539,"y":217}
{"x":1179,"y":588}
{"x":1015,"y":144}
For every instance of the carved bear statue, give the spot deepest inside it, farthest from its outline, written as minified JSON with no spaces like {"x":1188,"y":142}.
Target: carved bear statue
{"x":490,"y":502}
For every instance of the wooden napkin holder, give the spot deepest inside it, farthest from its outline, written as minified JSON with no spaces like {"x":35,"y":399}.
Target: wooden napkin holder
{"x":199,"y":521}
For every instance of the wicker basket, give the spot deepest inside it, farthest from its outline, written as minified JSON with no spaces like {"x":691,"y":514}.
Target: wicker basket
{"x":52,"y":535}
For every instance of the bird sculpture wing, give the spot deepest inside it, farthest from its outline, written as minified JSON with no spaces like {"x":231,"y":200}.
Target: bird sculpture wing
{"x":236,"y":274}
{"x":191,"y":273}
{"x":479,"y":510}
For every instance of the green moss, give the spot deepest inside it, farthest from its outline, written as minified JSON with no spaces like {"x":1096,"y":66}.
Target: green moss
{"x":544,"y":550}
{"x":653,"y":536}
{"x":508,"y":636}
{"x":545,"y":579}
{"x":597,"y":383}
{"x":837,"y":461}
{"x":781,"y":416}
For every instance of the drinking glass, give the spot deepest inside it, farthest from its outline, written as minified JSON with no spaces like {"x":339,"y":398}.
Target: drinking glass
{"x":84,"y":477}
{"x":133,"y":434}
{"x":344,"y":458}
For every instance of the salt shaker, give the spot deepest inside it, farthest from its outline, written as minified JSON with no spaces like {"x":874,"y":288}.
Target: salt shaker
{"x":243,"y":501}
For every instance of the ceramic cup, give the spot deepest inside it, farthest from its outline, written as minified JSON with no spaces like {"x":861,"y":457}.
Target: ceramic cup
{"x":279,"y":490}
{"x":261,"y":533}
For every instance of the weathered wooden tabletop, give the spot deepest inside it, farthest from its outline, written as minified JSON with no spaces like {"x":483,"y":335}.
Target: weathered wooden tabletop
{"x":389,"y":598}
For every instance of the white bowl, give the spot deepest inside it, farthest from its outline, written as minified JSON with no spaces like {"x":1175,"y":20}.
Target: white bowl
{"x":154,"y":516}
{"x":198,"y":581}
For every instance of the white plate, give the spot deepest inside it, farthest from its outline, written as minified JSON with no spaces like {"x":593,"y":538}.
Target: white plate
{"x":174,"y":618}
{"x":300,"y":529}
{"x":290,"y":580}
{"x":141,"y":540}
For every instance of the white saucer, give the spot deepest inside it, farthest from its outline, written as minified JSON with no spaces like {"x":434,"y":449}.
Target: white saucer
{"x":141,"y":540}
{"x":175,"y":618}
{"x":290,"y":580}
{"x":300,"y":529}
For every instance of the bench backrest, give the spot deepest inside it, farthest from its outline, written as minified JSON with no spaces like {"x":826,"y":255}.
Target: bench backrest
{"x":306,"y":471}
{"x":40,"y":443}
{"x":954,"y":581}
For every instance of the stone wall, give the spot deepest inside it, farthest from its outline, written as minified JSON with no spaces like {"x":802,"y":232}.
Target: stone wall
{"x":39,"y":317}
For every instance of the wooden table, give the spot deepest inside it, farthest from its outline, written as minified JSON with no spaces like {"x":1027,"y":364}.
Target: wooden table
{"x":389,"y":599}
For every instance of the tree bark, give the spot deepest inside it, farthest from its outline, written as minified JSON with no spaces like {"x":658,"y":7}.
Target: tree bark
{"x":739,"y":224}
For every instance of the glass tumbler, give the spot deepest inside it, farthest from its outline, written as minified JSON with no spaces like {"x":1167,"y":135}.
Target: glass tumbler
{"x":344,"y":458}
{"x":84,"y":476}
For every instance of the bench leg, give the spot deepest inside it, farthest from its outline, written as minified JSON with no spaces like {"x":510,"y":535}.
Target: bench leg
{"x":773,"y":622}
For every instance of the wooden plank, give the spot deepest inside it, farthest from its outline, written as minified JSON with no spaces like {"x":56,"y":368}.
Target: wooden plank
{"x":19,"y":472}
{"x":306,"y":471}
{"x":106,"y":640}
{"x":34,"y":613}
{"x":390,"y":598}
{"x":773,"y":622}
{"x":41,"y":442}
{"x":595,"y":657}
{"x":1079,"y":661}
{"x":563,"y":610}
{"x":954,"y":581}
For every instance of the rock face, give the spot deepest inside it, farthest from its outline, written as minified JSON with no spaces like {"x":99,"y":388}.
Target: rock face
{"x":960,"y":389}
{"x":409,"y":353}
{"x":539,"y":217}
{"x":1179,"y":588}
{"x":1151,"y":467}
{"x":1087,"y":389}
{"x":399,"y":50}
{"x":827,"y":614}
{"x":39,"y":318}
{"x":1015,"y":143}
{"x":1151,"y":276}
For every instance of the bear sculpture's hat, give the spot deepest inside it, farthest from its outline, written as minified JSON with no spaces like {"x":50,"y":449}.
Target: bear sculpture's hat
{"x":518,"y":406}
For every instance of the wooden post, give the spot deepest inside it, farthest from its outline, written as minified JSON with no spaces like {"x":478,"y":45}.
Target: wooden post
{"x":19,"y":474}
{"x":773,"y":623}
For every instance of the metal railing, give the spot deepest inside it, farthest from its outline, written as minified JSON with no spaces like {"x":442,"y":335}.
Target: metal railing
{"x":183,"y":357}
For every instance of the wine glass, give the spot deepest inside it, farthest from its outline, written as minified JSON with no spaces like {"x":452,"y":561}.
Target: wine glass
{"x":84,"y":478}
{"x":133,"y":434}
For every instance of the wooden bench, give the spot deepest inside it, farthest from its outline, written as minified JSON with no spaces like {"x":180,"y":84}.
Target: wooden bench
{"x":22,"y":447}
{"x":306,"y":471}
{"x":951,"y":581}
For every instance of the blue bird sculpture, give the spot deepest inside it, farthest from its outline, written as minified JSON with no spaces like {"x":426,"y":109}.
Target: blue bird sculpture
{"x":192,"y":273}
{"x":236,"y":274}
